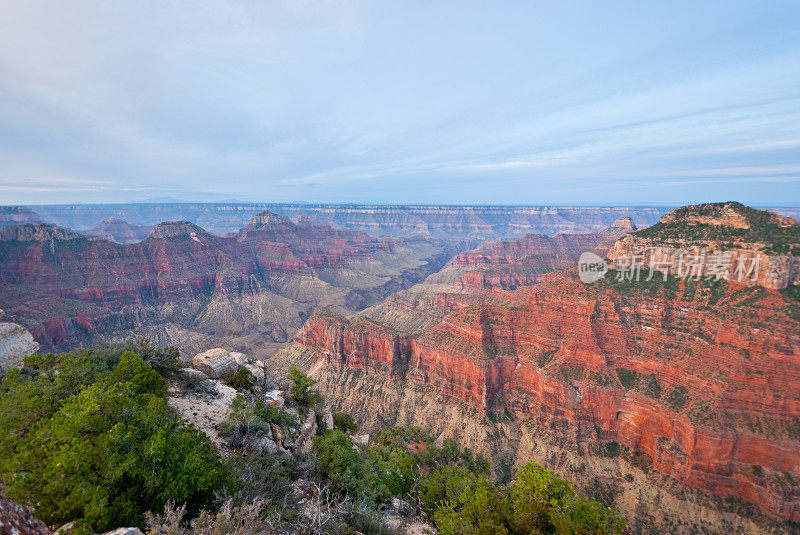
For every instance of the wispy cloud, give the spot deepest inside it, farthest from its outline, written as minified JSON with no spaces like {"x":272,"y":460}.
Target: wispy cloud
{"x":407,"y":103}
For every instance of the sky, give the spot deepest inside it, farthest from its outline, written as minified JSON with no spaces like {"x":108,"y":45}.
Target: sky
{"x":439,"y":102}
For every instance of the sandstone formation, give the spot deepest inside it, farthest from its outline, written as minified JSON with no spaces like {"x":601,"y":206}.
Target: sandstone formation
{"x":702,"y":380}
{"x":17,"y":215}
{"x":508,"y":265}
{"x":724,"y":240}
{"x":183,"y":286}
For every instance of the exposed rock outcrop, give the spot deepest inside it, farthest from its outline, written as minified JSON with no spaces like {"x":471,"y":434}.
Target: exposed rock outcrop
{"x":120,"y":231}
{"x":16,"y":343}
{"x":725,"y":240}
{"x":699,"y":380}
{"x":702,"y":380}
{"x":508,"y":265}
{"x":17,"y":215}
{"x":37,"y":233}
{"x":217,"y":362}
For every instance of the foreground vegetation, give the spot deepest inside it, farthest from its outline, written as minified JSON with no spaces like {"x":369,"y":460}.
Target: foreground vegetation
{"x":87,"y":437}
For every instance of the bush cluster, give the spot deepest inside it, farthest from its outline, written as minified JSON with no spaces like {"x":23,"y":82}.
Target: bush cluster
{"x":87,"y":436}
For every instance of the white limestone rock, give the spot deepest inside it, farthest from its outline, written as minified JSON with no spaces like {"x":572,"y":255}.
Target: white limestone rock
{"x":216,"y":362}
{"x":16,"y":343}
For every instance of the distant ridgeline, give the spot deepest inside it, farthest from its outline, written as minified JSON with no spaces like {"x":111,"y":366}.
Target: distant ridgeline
{"x":448,"y":222}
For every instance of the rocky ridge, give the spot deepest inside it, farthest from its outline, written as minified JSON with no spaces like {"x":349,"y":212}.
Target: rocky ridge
{"x":508,"y":265}
{"x":455,"y":224}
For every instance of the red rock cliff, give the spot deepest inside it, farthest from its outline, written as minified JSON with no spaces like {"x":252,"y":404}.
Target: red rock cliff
{"x":703,"y":378}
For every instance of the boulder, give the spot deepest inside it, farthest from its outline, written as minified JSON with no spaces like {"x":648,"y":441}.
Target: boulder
{"x":16,"y":343}
{"x":328,"y":418}
{"x":215,"y":362}
{"x":124,"y":531}
{"x":360,"y":440}
{"x":401,"y":517}
{"x":191,"y":373}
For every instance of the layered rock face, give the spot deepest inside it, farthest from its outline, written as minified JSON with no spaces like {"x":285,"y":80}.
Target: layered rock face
{"x":17,"y":215}
{"x":508,"y":265}
{"x":185,"y":286}
{"x":725,"y":240}
{"x":701,"y":379}
{"x":696,"y":383}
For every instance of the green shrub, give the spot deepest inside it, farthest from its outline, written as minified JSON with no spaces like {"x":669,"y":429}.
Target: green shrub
{"x":346,"y":469}
{"x":163,"y":359}
{"x":344,"y":422}
{"x":651,"y":386}
{"x":241,"y":379}
{"x":301,"y":387}
{"x":100,"y":445}
{"x":677,"y":398}
{"x":642,"y":461}
{"x":462,"y":502}
{"x":252,"y":419}
{"x":627,"y":377}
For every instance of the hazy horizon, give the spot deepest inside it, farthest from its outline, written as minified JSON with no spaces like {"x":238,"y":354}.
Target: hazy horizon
{"x":416,"y":104}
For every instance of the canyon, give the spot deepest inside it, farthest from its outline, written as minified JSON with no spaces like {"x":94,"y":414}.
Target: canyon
{"x":183,"y":286}
{"x":674,"y":398}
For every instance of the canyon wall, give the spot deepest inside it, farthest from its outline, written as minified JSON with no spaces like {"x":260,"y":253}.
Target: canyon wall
{"x":701,"y":379}
{"x":677,"y":399}
{"x":185,"y":286}
{"x":724,"y":240}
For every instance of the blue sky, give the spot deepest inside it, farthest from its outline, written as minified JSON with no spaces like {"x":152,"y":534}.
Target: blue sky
{"x":400,"y":102}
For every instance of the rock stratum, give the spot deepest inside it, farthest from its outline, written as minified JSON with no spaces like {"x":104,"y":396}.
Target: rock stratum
{"x":510,"y":264}
{"x":676,"y":399}
{"x":186,"y":287}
